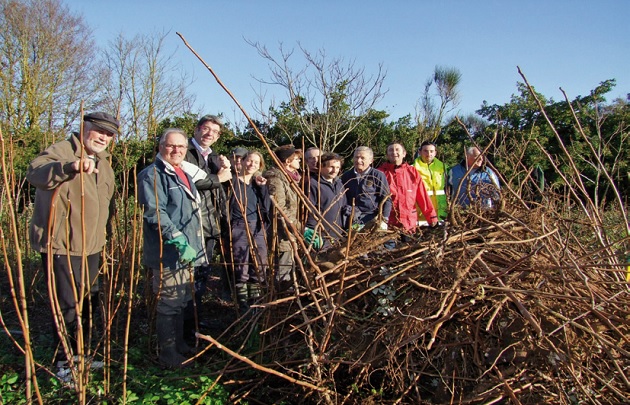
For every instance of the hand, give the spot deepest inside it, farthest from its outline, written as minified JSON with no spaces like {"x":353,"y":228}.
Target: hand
{"x":186,"y":253}
{"x":224,"y":174}
{"x":87,"y":165}
{"x":433,"y":221}
{"x":312,"y":239}
{"x":260,"y":180}
{"x":225,"y":162}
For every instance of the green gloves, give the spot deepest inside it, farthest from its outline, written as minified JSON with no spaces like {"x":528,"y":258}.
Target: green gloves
{"x":312,"y":239}
{"x":186,"y":253}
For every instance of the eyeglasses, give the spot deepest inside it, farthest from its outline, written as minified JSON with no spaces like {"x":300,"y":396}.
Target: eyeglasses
{"x":210,"y":130}
{"x":169,"y":146}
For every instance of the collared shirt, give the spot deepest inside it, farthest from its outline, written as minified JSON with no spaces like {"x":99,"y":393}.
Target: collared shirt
{"x":204,"y":152}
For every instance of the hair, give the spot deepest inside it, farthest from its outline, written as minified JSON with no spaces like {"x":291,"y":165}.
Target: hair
{"x":396,"y":143}
{"x":171,"y":131}
{"x":255,"y":152}
{"x":210,"y":118}
{"x":310,"y":149}
{"x":428,"y":143}
{"x":471,"y":149}
{"x":328,"y":156}
{"x":364,"y":149}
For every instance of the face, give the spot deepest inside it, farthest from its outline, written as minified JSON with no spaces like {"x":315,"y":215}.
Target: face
{"x":207,"y":134}
{"x":312,"y":160}
{"x":362,"y":161}
{"x":294,"y":163}
{"x":330,"y":170}
{"x":251,"y":164}
{"x":95,"y":140}
{"x":236,"y":162}
{"x":173,"y":149}
{"x":475,"y":159}
{"x":427,"y":153}
{"x":396,"y":154}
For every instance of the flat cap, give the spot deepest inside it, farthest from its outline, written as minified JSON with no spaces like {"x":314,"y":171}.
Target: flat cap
{"x":239,"y":152}
{"x":104,"y":121}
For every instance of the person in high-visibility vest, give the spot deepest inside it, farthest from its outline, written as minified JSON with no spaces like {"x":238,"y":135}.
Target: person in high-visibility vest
{"x":434,"y":173}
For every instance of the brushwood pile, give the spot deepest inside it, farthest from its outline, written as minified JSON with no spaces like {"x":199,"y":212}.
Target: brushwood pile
{"x":508,"y":305}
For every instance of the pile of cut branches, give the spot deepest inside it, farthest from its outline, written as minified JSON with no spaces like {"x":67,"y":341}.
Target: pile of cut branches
{"x":509,"y":306}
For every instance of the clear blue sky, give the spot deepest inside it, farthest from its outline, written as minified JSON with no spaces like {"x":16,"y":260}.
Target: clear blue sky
{"x":574,"y":45}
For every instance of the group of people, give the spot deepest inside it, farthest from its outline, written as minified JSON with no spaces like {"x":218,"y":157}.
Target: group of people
{"x":199,"y":205}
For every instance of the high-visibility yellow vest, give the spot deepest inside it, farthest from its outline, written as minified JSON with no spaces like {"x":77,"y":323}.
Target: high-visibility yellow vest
{"x":434,"y":177}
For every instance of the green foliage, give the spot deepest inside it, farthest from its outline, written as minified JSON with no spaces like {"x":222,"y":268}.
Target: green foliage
{"x":11,"y":389}
{"x":602,"y":136}
{"x":170,"y":389}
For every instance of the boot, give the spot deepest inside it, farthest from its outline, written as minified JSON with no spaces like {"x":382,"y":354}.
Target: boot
{"x":255,"y":291}
{"x":169,"y":356}
{"x":180,"y":342}
{"x":241,"y":297}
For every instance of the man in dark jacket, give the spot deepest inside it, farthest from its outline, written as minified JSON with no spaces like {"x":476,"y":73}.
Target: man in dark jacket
{"x":326,"y":193}
{"x":367,"y":189}
{"x":208,"y":170}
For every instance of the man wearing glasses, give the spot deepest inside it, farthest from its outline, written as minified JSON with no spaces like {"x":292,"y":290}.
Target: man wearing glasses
{"x":173,"y":240}
{"x":208,"y":170}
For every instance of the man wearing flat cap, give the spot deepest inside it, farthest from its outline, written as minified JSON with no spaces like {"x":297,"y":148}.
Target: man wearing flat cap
{"x":236,"y":157}
{"x":74,"y":184}
{"x":282,"y":183}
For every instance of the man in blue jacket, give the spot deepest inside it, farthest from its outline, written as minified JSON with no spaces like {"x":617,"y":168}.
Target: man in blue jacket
{"x":367,"y":189}
{"x":173,"y":240}
{"x":472,"y":182}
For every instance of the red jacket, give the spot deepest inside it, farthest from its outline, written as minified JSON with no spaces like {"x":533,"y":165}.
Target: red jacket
{"x":407,"y":189}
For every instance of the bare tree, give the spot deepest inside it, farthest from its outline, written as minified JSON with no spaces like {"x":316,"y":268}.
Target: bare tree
{"x":325,"y":99}
{"x":144,"y":85}
{"x":47,"y":67}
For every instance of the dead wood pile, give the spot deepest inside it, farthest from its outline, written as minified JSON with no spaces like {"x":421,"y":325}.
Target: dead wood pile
{"x":508,"y":307}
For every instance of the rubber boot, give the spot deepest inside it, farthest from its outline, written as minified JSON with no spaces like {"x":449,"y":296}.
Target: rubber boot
{"x":254,"y":291}
{"x":241,"y":297}
{"x":169,"y":356}
{"x":180,"y":342}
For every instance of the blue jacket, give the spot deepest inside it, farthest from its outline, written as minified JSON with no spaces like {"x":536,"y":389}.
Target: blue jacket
{"x":175,"y":212}
{"x":481,"y":185}
{"x":366,"y":191}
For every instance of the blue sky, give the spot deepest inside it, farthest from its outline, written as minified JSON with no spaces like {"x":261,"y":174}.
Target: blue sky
{"x":574,"y":45}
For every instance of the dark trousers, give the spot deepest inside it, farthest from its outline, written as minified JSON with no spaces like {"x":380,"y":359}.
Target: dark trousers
{"x":67,"y":278}
{"x":250,"y":253}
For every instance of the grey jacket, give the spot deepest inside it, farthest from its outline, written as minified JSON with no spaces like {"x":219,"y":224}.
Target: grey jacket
{"x":174,"y":212}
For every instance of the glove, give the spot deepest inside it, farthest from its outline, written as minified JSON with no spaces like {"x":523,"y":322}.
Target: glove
{"x":383,"y":226}
{"x":311,"y":238}
{"x":186,"y":253}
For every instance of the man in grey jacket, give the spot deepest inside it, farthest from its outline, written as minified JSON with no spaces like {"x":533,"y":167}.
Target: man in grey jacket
{"x":173,"y":240}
